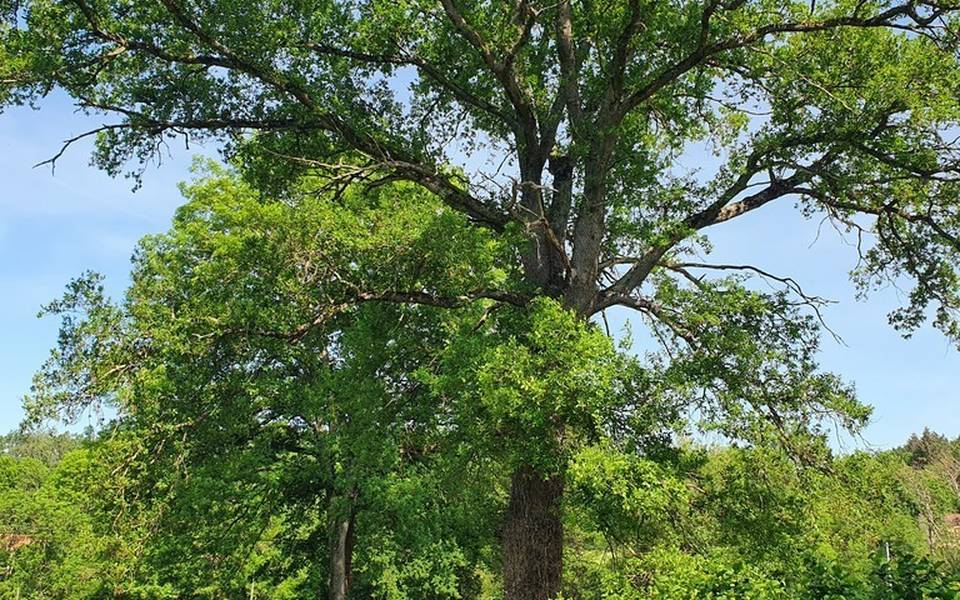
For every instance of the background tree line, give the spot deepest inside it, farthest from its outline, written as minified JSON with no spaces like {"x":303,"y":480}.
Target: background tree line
{"x":718,"y":523}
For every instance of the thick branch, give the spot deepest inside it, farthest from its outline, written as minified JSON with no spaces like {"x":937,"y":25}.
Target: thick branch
{"x":569,"y":69}
{"x":502,"y":69}
{"x":717,"y":212}
{"x":408,"y":166}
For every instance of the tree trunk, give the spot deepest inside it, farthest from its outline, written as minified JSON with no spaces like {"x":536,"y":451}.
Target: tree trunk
{"x":533,"y":537}
{"x":341,"y":550}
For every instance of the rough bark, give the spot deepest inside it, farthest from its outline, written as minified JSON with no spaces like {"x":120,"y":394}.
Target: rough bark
{"x":533,"y":537}
{"x":341,"y":552}
{"x":533,"y":527}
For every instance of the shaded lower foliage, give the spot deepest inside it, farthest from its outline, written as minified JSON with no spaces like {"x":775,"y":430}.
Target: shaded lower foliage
{"x":707,"y":524}
{"x":349,"y":395}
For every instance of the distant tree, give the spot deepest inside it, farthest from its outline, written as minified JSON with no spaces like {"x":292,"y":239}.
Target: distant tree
{"x":934,"y":480}
{"x":582,"y":110}
{"x":45,"y":445}
{"x":65,"y":533}
{"x":927,"y":448}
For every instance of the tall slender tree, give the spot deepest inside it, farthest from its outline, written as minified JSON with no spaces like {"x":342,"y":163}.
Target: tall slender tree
{"x":561,"y":122}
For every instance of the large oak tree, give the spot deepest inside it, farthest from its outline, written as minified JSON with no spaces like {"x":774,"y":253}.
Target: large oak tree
{"x":561,"y":123}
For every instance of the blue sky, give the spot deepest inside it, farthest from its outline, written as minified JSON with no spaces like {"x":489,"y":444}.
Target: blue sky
{"x":53,"y":227}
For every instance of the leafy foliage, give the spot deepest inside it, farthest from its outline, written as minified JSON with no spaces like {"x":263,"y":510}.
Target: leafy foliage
{"x":387,"y":309}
